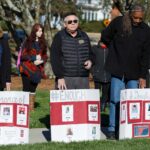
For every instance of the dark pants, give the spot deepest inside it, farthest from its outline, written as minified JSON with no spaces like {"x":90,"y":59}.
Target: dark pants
{"x":76,"y":82}
{"x":105,"y":88}
{"x":28,"y":86}
{"x":1,"y":89}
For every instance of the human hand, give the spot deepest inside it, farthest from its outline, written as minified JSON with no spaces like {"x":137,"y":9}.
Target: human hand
{"x":38,"y":57}
{"x":38,"y":62}
{"x":61,"y":84}
{"x":8,"y":85}
{"x":142,"y":83}
{"x":88,"y":64}
{"x":102,"y":45}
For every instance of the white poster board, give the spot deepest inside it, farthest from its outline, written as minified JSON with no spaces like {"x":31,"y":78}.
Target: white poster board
{"x":75,"y":115}
{"x":14,"y":117}
{"x":134,"y":114}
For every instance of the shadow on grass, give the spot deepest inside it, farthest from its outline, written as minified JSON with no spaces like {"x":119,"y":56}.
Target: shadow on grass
{"x":36,"y":104}
{"x":46,"y":121}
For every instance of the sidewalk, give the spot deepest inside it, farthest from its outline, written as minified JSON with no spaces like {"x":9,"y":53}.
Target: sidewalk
{"x":41,"y":135}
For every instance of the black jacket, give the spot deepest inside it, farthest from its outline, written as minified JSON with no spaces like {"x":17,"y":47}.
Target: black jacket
{"x":98,"y":70}
{"x":68,"y":54}
{"x":128,"y":54}
{"x":5,"y":67}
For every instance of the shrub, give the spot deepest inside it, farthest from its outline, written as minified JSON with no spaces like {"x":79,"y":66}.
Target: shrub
{"x":3,"y":25}
{"x":92,"y":26}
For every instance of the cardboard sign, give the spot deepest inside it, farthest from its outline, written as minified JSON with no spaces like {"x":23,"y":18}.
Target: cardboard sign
{"x":135,"y":113}
{"x":75,"y":115}
{"x":14,"y":117}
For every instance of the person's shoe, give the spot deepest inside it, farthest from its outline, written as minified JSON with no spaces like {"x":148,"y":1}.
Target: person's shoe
{"x":111,"y":136}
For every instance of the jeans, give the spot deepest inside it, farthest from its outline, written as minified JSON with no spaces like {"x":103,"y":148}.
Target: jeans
{"x":117,"y":85}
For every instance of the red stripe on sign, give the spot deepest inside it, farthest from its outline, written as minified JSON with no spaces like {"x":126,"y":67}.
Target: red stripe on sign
{"x":9,"y":115}
{"x":83,"y":112}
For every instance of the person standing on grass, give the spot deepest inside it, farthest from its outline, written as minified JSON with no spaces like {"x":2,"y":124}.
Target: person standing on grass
{"x":70,"y":55}
{"x":33,"y":58}
{"x":5,"y":63}
{"x":128,"y":39}
{"x":102,"y":77}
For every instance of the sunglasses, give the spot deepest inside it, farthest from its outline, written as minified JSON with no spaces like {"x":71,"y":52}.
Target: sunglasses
{"x":72,"y":21}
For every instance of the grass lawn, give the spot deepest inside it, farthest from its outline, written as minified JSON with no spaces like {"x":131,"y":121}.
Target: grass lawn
{"x":39,"y":118}
{"x":138,"y":144}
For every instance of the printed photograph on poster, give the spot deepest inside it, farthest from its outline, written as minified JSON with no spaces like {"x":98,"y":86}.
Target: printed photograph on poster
{"x":123,"y":112}
{"x":69,"y":134}
{"x":6,"y":113}
{"x":22,"y":115}
{"x":146,"y":111}
{"x":93,"y":112}
{"x":67,"y":113}
{"x":134,"y":111}
{"x":141,"y":130}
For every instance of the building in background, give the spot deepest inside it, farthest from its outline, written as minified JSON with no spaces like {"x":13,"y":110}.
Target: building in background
{"x":92,"y":9}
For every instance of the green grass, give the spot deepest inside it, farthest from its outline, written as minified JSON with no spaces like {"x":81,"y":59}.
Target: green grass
{"x":136,"y":144}
{"x":39,"y":118}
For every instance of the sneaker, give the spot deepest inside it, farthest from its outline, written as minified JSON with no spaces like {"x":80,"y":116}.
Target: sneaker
{"x":111,"y":136}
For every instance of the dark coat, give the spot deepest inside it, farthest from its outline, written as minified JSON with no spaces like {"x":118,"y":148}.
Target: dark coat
{"x":5,"y":68}
{"x":128,"y":54}
{"x":68,"y":54}
{"x":98,"y":70}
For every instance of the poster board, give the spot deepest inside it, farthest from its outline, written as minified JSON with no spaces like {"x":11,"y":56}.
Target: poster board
{"x":14,"y":117}
{"x":134,"y":114}
{"x":75,"y":115}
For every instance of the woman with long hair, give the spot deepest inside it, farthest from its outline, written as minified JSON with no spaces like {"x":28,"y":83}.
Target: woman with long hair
{"x":33,"y":58}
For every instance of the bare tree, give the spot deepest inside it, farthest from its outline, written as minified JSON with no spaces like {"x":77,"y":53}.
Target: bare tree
{"x":25,"y":13}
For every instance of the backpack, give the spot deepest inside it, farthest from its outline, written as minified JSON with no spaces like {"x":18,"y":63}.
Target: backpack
{"x":19,"y":54}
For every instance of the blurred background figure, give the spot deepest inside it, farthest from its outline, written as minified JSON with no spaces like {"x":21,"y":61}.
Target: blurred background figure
{"x":5,"y":63}
{"x":116,"y":10}
{"x":102,"y":77}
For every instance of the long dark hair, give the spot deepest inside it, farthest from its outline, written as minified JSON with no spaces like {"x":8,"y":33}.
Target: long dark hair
{"x":32,"y":37}
{"x":127,"y":25}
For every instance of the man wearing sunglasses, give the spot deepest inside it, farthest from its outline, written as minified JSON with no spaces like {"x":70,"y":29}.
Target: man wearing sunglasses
{"x":70,"y":55}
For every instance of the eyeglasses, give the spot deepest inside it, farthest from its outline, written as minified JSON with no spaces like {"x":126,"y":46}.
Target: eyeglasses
{"x":72,"y":21}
